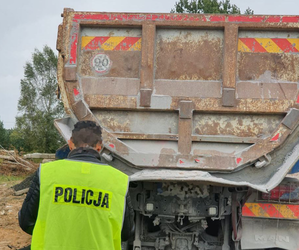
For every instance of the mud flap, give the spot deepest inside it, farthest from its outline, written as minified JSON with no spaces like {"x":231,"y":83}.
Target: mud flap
{"x":268,"y":233}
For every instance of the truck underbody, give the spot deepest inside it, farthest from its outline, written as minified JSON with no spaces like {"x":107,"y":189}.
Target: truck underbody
{"x":195,"y":216}
{"x":183,"y":215}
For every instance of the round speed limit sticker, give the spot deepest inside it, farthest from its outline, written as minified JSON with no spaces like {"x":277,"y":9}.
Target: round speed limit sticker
{"x":101,"y":63}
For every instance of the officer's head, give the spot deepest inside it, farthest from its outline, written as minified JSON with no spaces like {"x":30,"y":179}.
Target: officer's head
{"x":86,"y":134}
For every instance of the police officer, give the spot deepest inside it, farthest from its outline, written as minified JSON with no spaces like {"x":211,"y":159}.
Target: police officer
{"x":78,"y":203}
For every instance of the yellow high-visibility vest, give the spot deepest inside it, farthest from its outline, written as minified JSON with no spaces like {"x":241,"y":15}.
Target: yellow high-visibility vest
{"x":81,"y":207}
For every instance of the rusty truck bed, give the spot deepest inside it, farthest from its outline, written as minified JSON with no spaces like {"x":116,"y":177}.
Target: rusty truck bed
{"x":206,"y":97}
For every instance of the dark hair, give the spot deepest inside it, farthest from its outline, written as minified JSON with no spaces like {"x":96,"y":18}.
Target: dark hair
{"x":86,"y":132}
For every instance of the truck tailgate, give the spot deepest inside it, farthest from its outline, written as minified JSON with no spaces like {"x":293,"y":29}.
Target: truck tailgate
{"x":210,"y":96}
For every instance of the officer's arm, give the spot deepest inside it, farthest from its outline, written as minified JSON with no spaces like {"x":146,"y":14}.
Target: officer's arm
{"x":128,"y":226}
{"x":28,"y":212}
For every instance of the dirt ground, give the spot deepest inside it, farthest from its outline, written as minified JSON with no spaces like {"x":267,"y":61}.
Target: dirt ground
{"x":11,"y":235}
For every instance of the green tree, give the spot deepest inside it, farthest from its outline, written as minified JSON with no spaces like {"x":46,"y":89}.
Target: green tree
{"x":4,"y":136}
{"x":38,"y":105}
{"x":249,"y":11}
{"x":208,"y":6}
{"x":16,"y":140}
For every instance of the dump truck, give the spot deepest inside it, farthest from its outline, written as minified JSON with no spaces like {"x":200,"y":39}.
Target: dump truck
{"x":201,"y":111}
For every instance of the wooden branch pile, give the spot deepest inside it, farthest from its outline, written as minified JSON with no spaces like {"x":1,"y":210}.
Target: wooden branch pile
{"x":10,"y":159}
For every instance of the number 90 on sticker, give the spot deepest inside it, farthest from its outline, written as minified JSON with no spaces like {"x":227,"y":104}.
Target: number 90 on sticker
{"x":101,"y":63}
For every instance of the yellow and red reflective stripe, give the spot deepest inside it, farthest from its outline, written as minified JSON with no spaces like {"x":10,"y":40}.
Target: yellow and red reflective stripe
{"x":92,"y":43}
{"x":116,"y":43}
{"x":268,"y":210}
{"x":77,"y":18}
{"x":269,"y":45}
{"x":271,"y":210}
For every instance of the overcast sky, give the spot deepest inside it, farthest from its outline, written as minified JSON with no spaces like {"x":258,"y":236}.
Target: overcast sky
{"x":32,"y":24}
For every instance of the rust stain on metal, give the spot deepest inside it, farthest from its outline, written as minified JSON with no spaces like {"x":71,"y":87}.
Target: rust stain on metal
{"x":111,"y":101}
{"x":260,"y":106}
{"x":267,"y":26}
{"x":61,"y":84}
{"x":59,"y":42}
{"x":169,"y":159}
{"x":124,"y":63}
{"x":218,"y":162}
{"x":282,"y":67}
{"x":115,"y":125}
{"x":147,"y":123}
{"x":150,"y":137}
{"x":243,"y":105}
{"x":263,"y":147}
{"x":188,"y":56}
{"x":235,"y":125}
{"x":230,"y":57}
{"x":66,"y":30}
{"x":147,"y":58}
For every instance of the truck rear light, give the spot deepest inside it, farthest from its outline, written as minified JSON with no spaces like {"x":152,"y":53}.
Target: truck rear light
{"x":284,"y":192}
{"x":212,"y":211}
{"x":149,"y":207}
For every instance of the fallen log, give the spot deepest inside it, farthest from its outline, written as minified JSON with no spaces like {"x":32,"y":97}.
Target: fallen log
{"x":39,"y":156}
{"x":20,"y":192}
{"x":6,"y":157}
{"x":4,"y":151}
{"x":18,"y":160}
{"x":24,"y":162}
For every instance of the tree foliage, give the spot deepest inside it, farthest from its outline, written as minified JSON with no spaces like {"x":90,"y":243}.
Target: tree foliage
{"x":38,"y":105}
{"x":208,"y":6}
{"x":16,"y":140}
{"x":249,"y":11}
{"x":4,"y":136}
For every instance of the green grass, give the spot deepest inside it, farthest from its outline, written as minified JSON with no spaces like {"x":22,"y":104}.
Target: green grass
{"x":36,"y":160}
{"x":9,"y":178}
